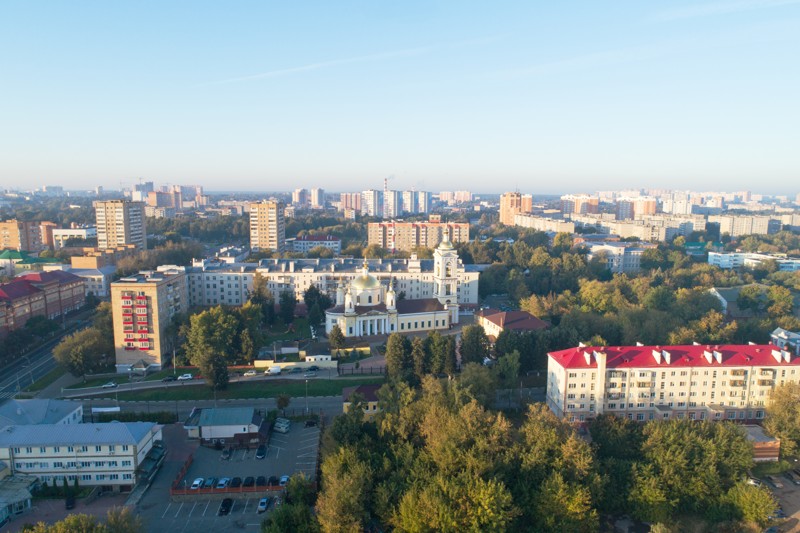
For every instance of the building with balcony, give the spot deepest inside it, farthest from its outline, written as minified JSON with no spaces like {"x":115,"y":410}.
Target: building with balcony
{"x":142,"y":307}
{"x":309,"y":242}
{"x":697,"y":382}
{"x":267,"y":226}
{"x":406,"y":236}
{"x":120,"y":222}
{"x":109,"y":455}
{"x":513,"y":204}
{"x":752,"y":260}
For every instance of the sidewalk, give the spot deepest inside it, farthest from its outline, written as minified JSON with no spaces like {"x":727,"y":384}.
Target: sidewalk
{"x":54,"y":389}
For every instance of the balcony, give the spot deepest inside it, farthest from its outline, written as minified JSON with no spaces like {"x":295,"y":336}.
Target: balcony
{"x":645,"y":384}
{"x":766,"y":382}
{"x":738,"y":383}
{"x":739,"y":372}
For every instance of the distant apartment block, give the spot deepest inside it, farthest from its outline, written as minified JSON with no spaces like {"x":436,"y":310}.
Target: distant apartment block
{"x":267,"y":226}
{"x":63,"y":236}
{"x":317,"y":198}
{"x":653,"y":228}
{"x":696,"y":382}
{"x":142,"y":307}
{"x":120,"y":222}
{"x":752,"y":260}
{"x":372,"y":203}
{"x":544,"y":224}
{"x":309,"y":242}
{"x":110,"y":455}
{"x":738,"y":226}
{"x":629,"y":208}
{"x":350,"y":200}
{"x":300,"y":198}
{"x":23,"y":236}
{"x":409,"y":201}
{"x":580,"y":204}
{"x":393,"y":204}
{"x":409,"y":235}
{"x":621,"y":257}
{"x":513,"y":204}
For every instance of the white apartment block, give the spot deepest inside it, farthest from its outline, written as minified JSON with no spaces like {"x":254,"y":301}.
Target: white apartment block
{"x":213,"y":283}
{"x":544,"y":224}
{"x":62,"y":235}
{"x":621,"y":259}
{"x":786,"y":340}
{"x":752,"y":260}
{"x":107,"y":455}
{"x":697,"y":382}
{"x":737,"y":226}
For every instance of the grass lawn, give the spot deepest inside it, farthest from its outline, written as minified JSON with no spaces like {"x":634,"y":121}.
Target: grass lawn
{"x":260,"y":389}
{"x":278,"y":331}
{"x":47,"y":379}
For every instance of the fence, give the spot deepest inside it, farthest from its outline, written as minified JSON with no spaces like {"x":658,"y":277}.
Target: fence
{"x":369,"y":371}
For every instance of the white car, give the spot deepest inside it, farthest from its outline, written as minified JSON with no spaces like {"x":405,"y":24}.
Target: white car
{"x":262,"y":505}
{"x":250,"y":373}
{"x":110,"y":385}
{"x":185,"y":377}
{"x":197,"y":483}
{"x":284,"y":480}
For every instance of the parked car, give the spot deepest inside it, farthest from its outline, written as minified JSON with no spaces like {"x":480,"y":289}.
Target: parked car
{"x":310,"y":423}
{"x":223,"y":482}
{"x":281,"y":428}
{"x":209,"y":483}
{"x":753,"y":481}
{"x":777,"y":484}
{"x":250,"y":373}
{"x":185,"y":377}
{"x":261,"y":452}
{"x":167,"y":379}
{"x":791,"y":476}
{"x":249,"y":481}
{"x":110,"y":385}
{"x":226,"y":454}
{"x":313,"y":368}
{"x":261,"y":481}
{"x":236,"y":482}
{"x":197,"y":483}
{"x":272,"y":481}
{"x":225,"y":507}
{"x":284,"y":481}
{"x":263,"y":504}
{"x":296,"y":370}
{"x":69,"y":502}
{"x":310,"y":374}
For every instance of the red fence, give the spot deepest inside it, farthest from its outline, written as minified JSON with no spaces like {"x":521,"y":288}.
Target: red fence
{"x":175,"y":491}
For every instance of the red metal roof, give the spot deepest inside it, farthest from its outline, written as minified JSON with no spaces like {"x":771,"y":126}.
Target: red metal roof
{"x":513,"y":320}
{"x":18,"y":288}
{"x":53,"y":275}
{"x":679,"y":356}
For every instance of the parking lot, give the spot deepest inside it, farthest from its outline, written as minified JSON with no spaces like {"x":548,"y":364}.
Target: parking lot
{"x":295,"y":451}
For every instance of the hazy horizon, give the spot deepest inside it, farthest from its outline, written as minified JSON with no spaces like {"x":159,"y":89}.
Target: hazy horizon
{"x":547,"y":99}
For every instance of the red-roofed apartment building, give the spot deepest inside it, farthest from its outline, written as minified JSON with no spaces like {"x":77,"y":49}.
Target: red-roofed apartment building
{"x":495,"y":322}
{"x":48,"y":294}
{"x":698,"y":382}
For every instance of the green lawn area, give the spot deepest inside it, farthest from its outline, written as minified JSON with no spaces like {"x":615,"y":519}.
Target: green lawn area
{"x":47,"y":379}
{"x":278,"y":331}
{"x":256,"y":389}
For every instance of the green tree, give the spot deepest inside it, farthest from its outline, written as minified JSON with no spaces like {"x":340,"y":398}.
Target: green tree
{"x":123,"y":520}
{"x":752,"y":298}
{"x":295,"y":518}
{"x":282,"y":402}
{"x":41,"y":326}
{"x":507,"y":370}
{"x":780,"y":301}
{"x":419,"y":358}
{"x":336,"y":339}
{"x":749,"y":503}
{"x":85,"y":352}
{"x":398,"y":352}
{"x":480,"y":382}
{"x":287,"y":305}
{"x":474,"y":345}
{"x":783,"y":416}
{"x":565,"y":506}
{"x":346,"y":483}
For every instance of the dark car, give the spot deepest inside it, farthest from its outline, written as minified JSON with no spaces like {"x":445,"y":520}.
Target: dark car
{"x":236,"y":482}
{"x":225,"y":507}
{"x":69,"y":502}
{"x":249,"y":481}
{"x":310,"y":423}
{"x":296,"y":370}
{"x":261,"y":481}
{"x":313,"y":368}
{"x":273,"y":481}
{"x":169,"y":378}
{"x":261,"y":452}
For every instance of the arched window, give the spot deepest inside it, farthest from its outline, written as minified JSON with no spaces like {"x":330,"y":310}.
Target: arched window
{"x":369,"y":299}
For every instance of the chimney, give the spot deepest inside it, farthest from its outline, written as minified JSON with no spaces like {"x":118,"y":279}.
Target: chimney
{"x":588,"y":357}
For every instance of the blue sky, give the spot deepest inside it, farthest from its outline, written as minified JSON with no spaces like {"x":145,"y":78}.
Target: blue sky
{"x":487,"y":96}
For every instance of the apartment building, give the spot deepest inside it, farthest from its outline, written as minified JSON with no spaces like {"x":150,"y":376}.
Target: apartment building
{"x":108,"y":455}
{"x":737,"y":226}
{"x":698,"y":382}
{"x":621,"y":257}
{"x":142,"y":307}
{"x":393,"y":204}
{"x":309,"y":242}
{"x":544,"y":224}
{"x":300,"y":198}
{"x":752,"y":260}
{"x":63,"y":236}
{"x":22,"y":236}
{"x":513,"y":204}
{"x":267,"y":226}
{"x":409,"y":235}
{"x":409,"y":201}
{"x":580,"y":204}
{"x":120,"y":222}
{"x":372,"y":203}
{"x":317,"y":198}
{"x":350,"y":201}
{"x":629,"y":208}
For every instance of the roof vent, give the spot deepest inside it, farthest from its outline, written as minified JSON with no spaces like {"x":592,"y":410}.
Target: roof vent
{"x":657,"y":356}
{"x":639,"y":343}
{"x":588,"y":357}
{"x":708,"y":355}
{"x":667,"y":356}
{"x":718,"y":356}
{"x":777,"y":355}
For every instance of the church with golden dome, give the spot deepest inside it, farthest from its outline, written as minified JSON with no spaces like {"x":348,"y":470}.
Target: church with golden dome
{"x":366,"y":307}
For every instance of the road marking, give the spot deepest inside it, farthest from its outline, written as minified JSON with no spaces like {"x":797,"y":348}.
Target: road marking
{"x":165,"y":510}
{"x":246,"y":503}
{"x":220,"y":507}
{"x":307,"y":447}
{"x":193,"y":506}
{"x":306,"y":463}
{"x":206,"y":509}
{"x":179,"y":510}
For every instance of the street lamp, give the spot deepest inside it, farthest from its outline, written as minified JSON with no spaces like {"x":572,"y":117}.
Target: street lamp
{"x":306,"y":396}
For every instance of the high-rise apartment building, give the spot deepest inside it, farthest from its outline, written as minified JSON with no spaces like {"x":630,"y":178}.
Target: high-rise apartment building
{"x":300,"y":198}
{"x":120,"y":222}
{"x":142,"y":307}
{"x":350,"y":201}
{"x":410,"y":204}
{"x":423,"y":202}
{"x":267,"y":226}
{"x":462,"y":197}
{"x":629,"y":208}
{"x":317,"y":198}
{"x":24,"y":236}
{"x":372,"y":203}
{"x":409,"y":235}
{"x":393,"y":205}
{"x":513,"y":204}
{"x":580,"y":204}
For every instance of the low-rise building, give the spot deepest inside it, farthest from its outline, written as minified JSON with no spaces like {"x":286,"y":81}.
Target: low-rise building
{"x":241,"y":426}
{"x":368,"y":395}
{"x":47,"y":294}
{"x":107,"y":455}
{"x":698,"y":382}
{"x":765,"y":448}
{"x":494,"y":322}
{"x":26,"y":412}
{"x":544,"y":224}
{"x":63,"y":236}
{"x":752,"y":260}
{"x":621,"y":257}
{"x":786,"y":340}
{"x":309,"y":242}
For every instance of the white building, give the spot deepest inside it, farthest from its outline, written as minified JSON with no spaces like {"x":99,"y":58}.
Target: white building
{"x":241,"y":425}
{"x":108,"y":455}
{"x":752,"y":260}
{"x":62,"y":235}
{"x":738,"y":225}
{"x":786,"y":340}
{"x":25,"y":412}
{"x":544,"y":224}
{"x":308,"y":242}
{"x":622,"y":257}
{"x":372,"y":203}
{"x":697,"y":382}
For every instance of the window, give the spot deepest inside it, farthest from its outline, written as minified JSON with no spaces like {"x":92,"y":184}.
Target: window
{"x":29,"y":450}
{"x":124,"y":447}
{"x":98,"y":448}
{"x":43,"y":449}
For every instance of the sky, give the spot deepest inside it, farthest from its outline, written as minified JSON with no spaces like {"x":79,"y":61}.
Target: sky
{"x":542,"y":97}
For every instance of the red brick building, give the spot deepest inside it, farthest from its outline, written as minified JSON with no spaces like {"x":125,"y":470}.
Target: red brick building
{"x":48,"y":294}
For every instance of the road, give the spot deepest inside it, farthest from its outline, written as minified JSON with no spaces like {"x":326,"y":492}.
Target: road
{"x":27,"y":369}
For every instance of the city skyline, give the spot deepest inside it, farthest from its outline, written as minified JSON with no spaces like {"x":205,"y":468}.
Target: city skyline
{"x":540,"y":99}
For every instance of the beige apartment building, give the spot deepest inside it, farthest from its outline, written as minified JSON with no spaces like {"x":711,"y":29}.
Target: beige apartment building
{"x":697,"y":382}
{"x":120,"y":222}
{"x":23,"y":236}
{"x":513,"y":204}
{"x":267,"y":226}
{"x":142,"y":307}
{"x":409,"y":235}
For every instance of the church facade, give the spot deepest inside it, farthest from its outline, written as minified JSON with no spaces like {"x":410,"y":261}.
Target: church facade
{"x":367,"y":307}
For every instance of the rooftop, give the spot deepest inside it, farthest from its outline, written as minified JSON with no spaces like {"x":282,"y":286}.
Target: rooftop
{"x":228,"y":416}
{"x":685,"y":356}
{"x":513,"y":320}
{"x":75,"y":434}
{"x":369,"y":392}
{"x":25,"y":412}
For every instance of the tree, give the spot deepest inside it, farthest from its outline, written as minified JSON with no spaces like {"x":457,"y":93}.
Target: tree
{"x":248,"y":348}
{"x":282,"y":401}
{"x":208,"y":341}
{"x":474,"y":344}
{"x":290,"y":517}
{"x":753,"y":298}
{"x":480,"y":382}
{"x":84,"y":352}
{"x":336,"y":338}
{"x":262,"y":297}
{"x":287,"y":305}
{"x":315,"y":315}
{"x":749,"y":503}
{"x":507,"y":370}
{"x":783,"y":416}
{"x":41,"y":326}
{"x":780,"y":301}
{"x":565,"y":506}
{"x":123,"y":520}
{"x":313,"y":296}
{"x":398,"y":351}
{"x":346,"y":484}
{"x":419,"y":358}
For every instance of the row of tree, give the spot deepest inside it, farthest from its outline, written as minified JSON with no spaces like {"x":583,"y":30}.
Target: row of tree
{"x":90,"y":350}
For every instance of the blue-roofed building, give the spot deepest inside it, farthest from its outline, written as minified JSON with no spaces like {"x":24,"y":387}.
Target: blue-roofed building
{"x":109,"y":455}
